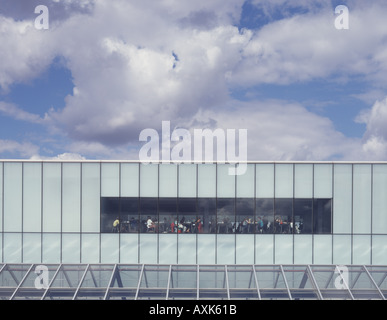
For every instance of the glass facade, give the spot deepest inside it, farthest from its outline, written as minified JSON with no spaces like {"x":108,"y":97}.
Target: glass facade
{"x":106,"y":212}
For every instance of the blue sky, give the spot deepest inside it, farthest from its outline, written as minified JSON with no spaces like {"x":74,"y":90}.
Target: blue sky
{"x":105,"y":70}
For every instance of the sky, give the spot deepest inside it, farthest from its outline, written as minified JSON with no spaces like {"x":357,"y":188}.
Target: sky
{"x":104,"y":70}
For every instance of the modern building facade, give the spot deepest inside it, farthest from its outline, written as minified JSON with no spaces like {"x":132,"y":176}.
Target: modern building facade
{"x":275,"y":213}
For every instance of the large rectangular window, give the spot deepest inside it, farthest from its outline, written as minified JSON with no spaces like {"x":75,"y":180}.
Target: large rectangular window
{"x":216,"y":215}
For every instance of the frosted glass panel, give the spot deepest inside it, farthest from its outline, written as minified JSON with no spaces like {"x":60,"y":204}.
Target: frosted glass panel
{"x":51,"y":247}
{"x":361,"y":198}
{"x":322,"y":249}
{"x":379,"y":249}
{"x":110,"y":179}
{"x":71,"y":197}
{"x":149,"y":180}
{"x":110,"y":248}
{"x":186,"y":249}
{"x":342,"y":249}
{"x":207,"y":180}
{"x":130,"y":175}
{"x":225,"y":249}
{"x":32,"y":247}
{"x":129,"y":248}
{"x":168,"y":249}
{"x":168,"y":180}
{"x":12,"y":247}
{"x":283,"y":249}
{"x":32,"y":197}
{"x":284,"y":180}
{"x":12,"y":197}
{"x":90,"y":197}
{"x":264,"y":180}
{"x":323,"y":180}
{"x":303,"y":249}
{"x":71,"y":248}
{"x":264,"y":249}
{"x":148,"y":248}
{"x":246,"y":182}
{"x":361,"y":249}
{"x":303,"y":181}
{"x":342,"y":204}
{"x":187,"y":180}
{"x":90,"y":248}
{"x":52,"y":190}
{"x":225,"y":182}
{"x":244,"y":249}
{"x":379,"y":201}
{"x":206,"y":249}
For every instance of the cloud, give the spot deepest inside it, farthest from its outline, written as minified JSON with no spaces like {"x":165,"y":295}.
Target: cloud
{"x":15,"y":148}
{"x":16,"y":113}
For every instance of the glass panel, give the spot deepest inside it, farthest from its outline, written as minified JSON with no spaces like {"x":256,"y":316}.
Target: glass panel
{"x":245,"y":219}
{"x":110,"y":214}
{"x":110,"y":248}
{"x":246,"y":182}
{"x":322,"y":181}
{"x":283,"y":249}
{"x":129,"y":215}
{"x":129,"y":248}
{"x":245,"y":249}
{"x":342,"y":249}
{"x":206,"y":180}
{"x":168,"y":180}
{"x":130,"y":179}
{"x":12,"y":197}
{"x":168,"y":249}
{"x":187,"y":216}
{"x":271,"y":283}
{"x":187,"y":180}
{"x":154,"y":282}
{"x":52,"y":194}
{"x":71,"y":197}
{"x":379,"y":200}
{"x":225,"y":249}
{"x":148,"y":248}
{"x":264,"y":180}
{"x":264,"y":249}
{"x":342,"y":206}
{"x":90,"y":197}
{"x":183,"y":283}
{"x":148,"y":214}
{"x":361,"y":198}
{"x":322,"y":249}
{"x":51,"y":247}
{"x":242,"y":282}
{"x":225,"y":182}
{"x":90,"y":246}
{"x":207,"y":212}
{"x":303,"y":246}
{"x":284,"y":180}
{"x":97,"y":277}
{"x":303,"y":180}
{"x":302,"y":216}
{"x":71,"y":248}
{"x":300,"y":283}
{"x":32,"y":247}
{"x":186,"y":249}
{"x":206,"y":249}
{"x":379,"y":249}
{"x":110,"y":180}
{"x":283,"y":215}
{"x":149,"y":180}
{"x":168,"y":218}
{"x":361,"y":249}
{"x":1,"y":198}
{"x":322,"y":216}
{"x":32,"y":197}
{"x":265,"y":213}
{"x":225,"y":215}
{"x":12,"y":247}
{"x":212,"y":282}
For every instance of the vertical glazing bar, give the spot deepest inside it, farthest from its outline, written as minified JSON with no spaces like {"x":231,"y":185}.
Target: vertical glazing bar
{"x":197,"y":282}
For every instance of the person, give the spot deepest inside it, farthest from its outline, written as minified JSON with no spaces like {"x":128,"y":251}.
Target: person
{"x":116,"y":224}
{"x":150,"y":225}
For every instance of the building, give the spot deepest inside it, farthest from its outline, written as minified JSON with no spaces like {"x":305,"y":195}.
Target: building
{"x":229,"y":233}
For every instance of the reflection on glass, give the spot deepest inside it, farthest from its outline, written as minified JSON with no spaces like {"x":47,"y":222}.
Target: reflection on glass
{"x":129,"y":218}
{"x":207,"y":211}
{"x":245,"y":220}
{"x":148,"y":215}
{"x":322,"y":215}
{"x":265,"y":215}
{"x":226,"y":215}
{"x":189,"y":222}
{"x":283,"y":216}
{"x":167,"y":216}
{"x":302,"y":216}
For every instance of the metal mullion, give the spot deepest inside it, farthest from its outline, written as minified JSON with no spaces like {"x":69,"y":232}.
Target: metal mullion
{"x":139,"y":281}
{"x":314,"y":282}
{"x":169,"y":281}
{"x":81,"y":281}
{"x":52,"y":280}
{"x":227,"y":284}
{"x":286,"y":282}
{"x":256,"y":283}
{"x":197,"y":282}
{"x":22,"y":281}
{"x":112,"y":277}
{"x":374,"y":283}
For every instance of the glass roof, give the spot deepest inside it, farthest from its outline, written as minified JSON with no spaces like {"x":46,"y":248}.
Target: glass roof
{"x":192,"y":282}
